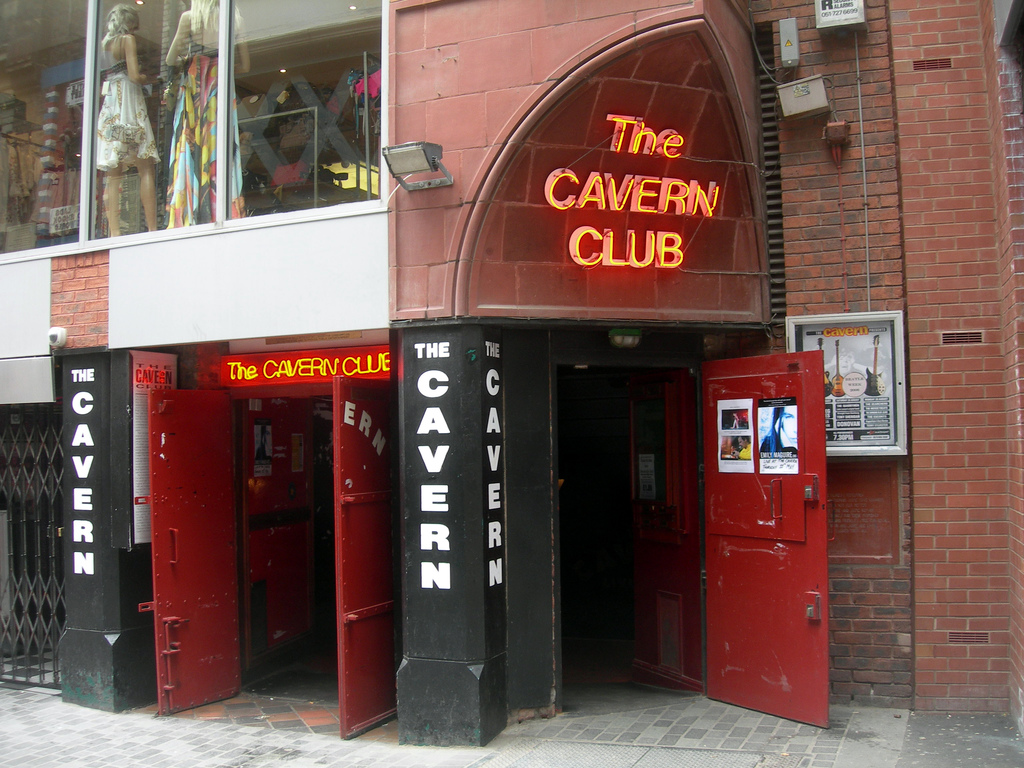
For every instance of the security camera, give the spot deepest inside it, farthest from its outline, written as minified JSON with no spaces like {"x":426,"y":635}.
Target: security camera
{"x":58,"y":337}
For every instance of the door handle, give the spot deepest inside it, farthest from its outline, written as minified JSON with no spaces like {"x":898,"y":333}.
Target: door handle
{"x":173,"y":533}
{"x":168,"y":652}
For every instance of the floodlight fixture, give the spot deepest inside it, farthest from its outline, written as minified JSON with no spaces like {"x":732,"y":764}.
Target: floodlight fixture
{"x":416,"y":157}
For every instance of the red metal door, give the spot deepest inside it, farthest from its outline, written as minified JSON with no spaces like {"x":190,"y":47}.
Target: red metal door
{"x":766,"y":535}
{"x":195,"y":570}
{"x":666,"y":538}
{"x":362,"y":509}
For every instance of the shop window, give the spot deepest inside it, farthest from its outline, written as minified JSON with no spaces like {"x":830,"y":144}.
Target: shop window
{"x":303,"y":115}
{"x":308,"y":105}
{"x":305,"y":127}
{"x":42,"y":66}
{"x":132,"y":129}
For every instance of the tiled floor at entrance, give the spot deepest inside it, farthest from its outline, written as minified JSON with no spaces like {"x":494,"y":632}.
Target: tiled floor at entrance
{"x":307,"y":709}
{"x":299,"y":695}
{"x":281,"y":714}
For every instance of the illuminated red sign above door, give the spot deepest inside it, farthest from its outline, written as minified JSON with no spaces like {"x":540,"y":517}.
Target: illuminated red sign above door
{"x":631,"y":192}
{"x":310,"y":366}
{"x":591,"y":246}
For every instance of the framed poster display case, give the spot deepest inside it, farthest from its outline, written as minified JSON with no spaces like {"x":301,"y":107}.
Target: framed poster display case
{"x":865,"y":389}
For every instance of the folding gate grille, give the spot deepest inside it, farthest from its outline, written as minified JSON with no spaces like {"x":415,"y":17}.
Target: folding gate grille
{"x":31,"y":563}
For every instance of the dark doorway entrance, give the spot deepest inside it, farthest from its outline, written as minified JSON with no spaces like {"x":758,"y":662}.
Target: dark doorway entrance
{"x":629,"y":532}
{"x":307,"y":668}
{"x":595,"y":525}
{"x":317,"y":506}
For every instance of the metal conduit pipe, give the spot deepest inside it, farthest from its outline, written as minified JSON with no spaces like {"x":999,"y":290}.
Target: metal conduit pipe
{"x":863,"y":173}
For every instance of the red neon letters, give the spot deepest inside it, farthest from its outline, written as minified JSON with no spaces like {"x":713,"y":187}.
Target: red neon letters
{"x":589,"y":246}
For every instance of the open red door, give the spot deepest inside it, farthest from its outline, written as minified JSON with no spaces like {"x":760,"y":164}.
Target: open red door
{"x":666,"y":537}
{"x":362,"y":509}
{"x":195,"y":570}
{"x":766,"y":535}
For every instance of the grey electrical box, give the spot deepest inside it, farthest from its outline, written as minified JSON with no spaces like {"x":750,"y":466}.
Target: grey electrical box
{"x":803,"y":97}
{"x":789,"y":43}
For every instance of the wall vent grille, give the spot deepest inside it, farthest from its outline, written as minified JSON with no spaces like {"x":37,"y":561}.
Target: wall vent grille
{"x":772,"y":178}
{"x":929,"y":65}
{"x":961,"y":337}
{"x":969,"y":638}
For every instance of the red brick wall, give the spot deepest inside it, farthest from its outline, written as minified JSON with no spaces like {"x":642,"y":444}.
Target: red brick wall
{"x":80,"y":292}
{"x":958,"y":407}
{"x":1011,"y":244}
{"x":872,"y":654}
{"x":871,"y":615}
{"x":1006,"y":105}
{"x":816,"y":226}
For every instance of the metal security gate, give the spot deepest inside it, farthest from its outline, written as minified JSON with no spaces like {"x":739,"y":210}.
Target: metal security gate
{"x":31,"y":563}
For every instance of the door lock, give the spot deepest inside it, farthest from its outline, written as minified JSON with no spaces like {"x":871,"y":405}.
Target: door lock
{"x":812,"y":606}
{"x":812,"y":492}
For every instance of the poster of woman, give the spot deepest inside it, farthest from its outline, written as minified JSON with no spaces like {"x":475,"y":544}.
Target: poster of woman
{"x":778,"y":436}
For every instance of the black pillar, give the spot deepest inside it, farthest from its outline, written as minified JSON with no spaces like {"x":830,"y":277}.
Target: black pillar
{"x":534,"y":672}
{"x":452,"y":679}
{"x":107,"y":654}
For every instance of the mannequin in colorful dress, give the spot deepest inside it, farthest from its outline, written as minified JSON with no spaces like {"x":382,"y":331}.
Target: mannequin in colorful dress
{"x":191,"y":190}
{"x":125,"y":136}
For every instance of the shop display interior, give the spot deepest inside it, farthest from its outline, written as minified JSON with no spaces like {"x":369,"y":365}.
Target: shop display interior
{"x":305,"y":133}
{"x":307,"y":119}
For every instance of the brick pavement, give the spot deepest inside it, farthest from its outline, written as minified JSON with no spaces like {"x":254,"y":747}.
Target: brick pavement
{"x":606,"y":726}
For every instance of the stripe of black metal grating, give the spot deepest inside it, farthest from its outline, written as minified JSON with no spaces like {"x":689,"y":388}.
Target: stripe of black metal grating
{"x":31,"y":562}
{"x":772,"y":176}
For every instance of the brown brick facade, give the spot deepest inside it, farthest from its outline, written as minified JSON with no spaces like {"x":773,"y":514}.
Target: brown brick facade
{"x":1007,"y":105}
{"x":828,"y":261}
{"x":961,"y":353}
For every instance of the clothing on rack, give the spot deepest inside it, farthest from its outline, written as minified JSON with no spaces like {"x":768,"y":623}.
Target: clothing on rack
{"x":360,"y":84}
{"x":5,"y":172}
{"x":372,"y":84}
{"x":20,"y":182}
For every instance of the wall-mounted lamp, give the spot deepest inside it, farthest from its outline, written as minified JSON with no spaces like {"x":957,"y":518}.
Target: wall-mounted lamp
{"x":625,"y":338}
{"x":417,"y":157}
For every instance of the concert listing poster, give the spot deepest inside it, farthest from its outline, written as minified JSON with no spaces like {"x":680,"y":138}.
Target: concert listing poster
{"x":861,"y":399}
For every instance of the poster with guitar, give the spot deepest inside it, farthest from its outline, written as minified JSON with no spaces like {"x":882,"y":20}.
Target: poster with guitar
{"x":864,"y":388}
